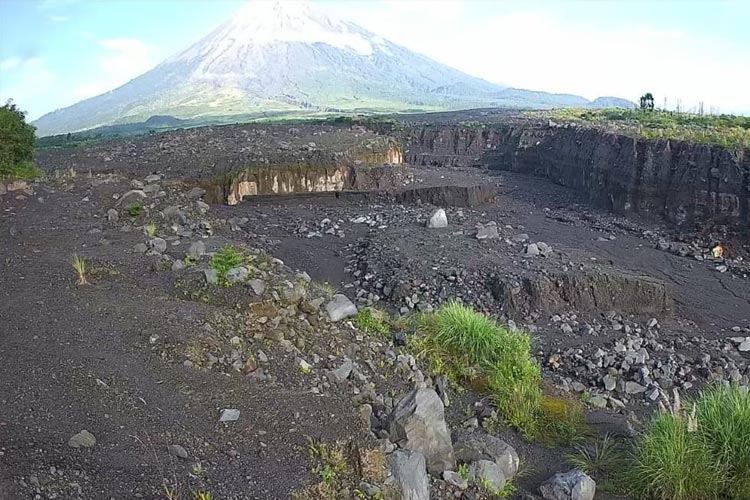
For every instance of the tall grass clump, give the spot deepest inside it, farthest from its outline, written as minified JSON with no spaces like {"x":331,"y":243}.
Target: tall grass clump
{"x":700,"y":454}
{"x":723,"y":417}
{"x":472,"y":348}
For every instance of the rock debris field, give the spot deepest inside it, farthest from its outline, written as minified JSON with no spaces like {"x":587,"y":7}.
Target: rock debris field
{"x":217,"y":350}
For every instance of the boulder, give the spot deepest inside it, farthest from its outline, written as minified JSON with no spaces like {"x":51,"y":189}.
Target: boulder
{"x":473,"y":445}
{"x":131,"y":196}
{"x":195,"y":193}
{"x":487,"y":231}
{"x":531,"y":250}
{"x":174,"y":214}
{"x":197,"y":250}
{"x":158,"y":245}
{"x":418,"y":423}
{"x":112,"y":215}
{"x":340,"y":307}
{"x":237,"y":274}
{"x":487,"y":474}
{"x":410,"y":474}
{"x":438,"y":219}
{"x":83,"y":439}
{"x":571,"y":485}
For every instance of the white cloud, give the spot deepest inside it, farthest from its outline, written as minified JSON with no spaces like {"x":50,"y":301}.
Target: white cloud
{"x":536,"y":49}
{"x":59,"y":19}
{"x":10,"y":63}
{"x":123,"y":60}
{"x":31,"y":79}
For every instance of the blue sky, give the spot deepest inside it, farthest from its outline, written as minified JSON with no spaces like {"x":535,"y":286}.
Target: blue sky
{"x":54,"y":53}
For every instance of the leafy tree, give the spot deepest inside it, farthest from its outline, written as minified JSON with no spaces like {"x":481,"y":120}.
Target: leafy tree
{"x":647,"y":102}
{"x":16,"y":142}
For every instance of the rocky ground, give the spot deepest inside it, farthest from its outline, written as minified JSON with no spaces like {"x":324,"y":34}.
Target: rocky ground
{"x":158,"y":379}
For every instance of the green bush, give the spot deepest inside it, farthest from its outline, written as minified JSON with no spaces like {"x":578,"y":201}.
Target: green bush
{"x":16,"y":144}
{"x":470,"y":347}
{"x":704,"y":454}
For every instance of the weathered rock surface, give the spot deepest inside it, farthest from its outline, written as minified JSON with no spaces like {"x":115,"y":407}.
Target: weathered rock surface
{"x":410,"y":474}
{"x":340,"y":307}
{"x":438,"y":219}
{"x":473,"y":445}
{"x":418,"y":423}
{"x":572,"y":485}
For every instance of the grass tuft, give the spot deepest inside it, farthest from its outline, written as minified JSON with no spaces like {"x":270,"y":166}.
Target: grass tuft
{"x":561,"y":421}
{"x":151,"y":229}
{"x":696,"y":455}
{"x":467,"y":346}
{"x":372,"y":320}
{"x":602,"y":458}
{"x":79,"y":264}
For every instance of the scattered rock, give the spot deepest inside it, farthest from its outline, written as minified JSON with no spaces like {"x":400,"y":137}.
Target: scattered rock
{"x":418,"y":423}
{"x":744,"y":346}
{"x":212,"y":277}
{"x":410,"y":474}
{"x":471,"y":446}
{"x":150,"y":179}
{"x":572,"y":485}
{"x":488,"y":474}
{"x":83,"y":439}
{"x":454,"y":478}
{"x":140,"y":248}
{"x":131,"y":196}
{"x":112,"y":215}
{"x":229,"y":415}
{"x":341,"y":373}
{"x":258,"y":286}
{"x":634,"y":388}
{"x":237,"y":274}
{"x":340,"y":307}
{"x":158,"y":245}
{"x":195,"y":193}
{"x":438,"y":219}
{"x":531,"y":250}
{"x":177,"y":450}
{"x":598,"y":401}
{"x":487,"y":231}
{"x":197,"y":250}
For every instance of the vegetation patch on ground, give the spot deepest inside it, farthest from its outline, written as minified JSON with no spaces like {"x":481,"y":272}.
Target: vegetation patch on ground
{"x":699,"y":451}
{"x":725,"y":130}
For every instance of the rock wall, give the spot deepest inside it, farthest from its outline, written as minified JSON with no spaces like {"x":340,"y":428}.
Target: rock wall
{"x":684,"y":183}
{"x":278,"y":180}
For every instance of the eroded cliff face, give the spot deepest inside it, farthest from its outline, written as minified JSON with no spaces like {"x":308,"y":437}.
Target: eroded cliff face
{"x":685,"y":183}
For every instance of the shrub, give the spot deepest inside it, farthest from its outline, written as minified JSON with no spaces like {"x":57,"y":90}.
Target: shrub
{"x":24,"y":170}
{"x":226,"y":259}
{"x":701,"y":455}
{"x":469,"y":346}
{"x":16,"y":142}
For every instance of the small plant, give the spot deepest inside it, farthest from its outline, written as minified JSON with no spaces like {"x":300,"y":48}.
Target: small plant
{"x":371,"y":320}
{"x":326,"y":289}
{"x":463,"y":471}
{"x":203,"y":495}
{"x":601,"y":458}
{"x":151,"y":229}
{"x":226,"y":259}
{"x":562,"y":421}
{"x":79,"y":264}
{"x":135,"y":209}
{"x":25,"y":171}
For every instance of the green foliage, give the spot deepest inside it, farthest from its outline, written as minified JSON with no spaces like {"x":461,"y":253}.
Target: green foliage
{"x":371,"y":320}
{"x":16,"y":144}
{"x":602,"y":458}
{"x":725,"y":130}
{"x":561,"y":421}
{"x":470,"y":347}
{"x":696,"y":456}
{"x":723,"y":416}
{"x":226,"y":259}
{"x":134,"y":209}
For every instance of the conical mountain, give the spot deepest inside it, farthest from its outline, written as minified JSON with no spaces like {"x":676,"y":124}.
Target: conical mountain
{"x":287,"y":57}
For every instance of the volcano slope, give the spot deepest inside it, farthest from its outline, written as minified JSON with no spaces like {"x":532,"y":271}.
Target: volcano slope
{"x":149,"y":355}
